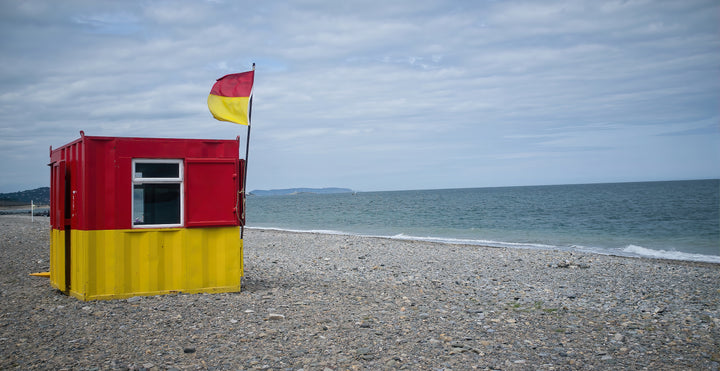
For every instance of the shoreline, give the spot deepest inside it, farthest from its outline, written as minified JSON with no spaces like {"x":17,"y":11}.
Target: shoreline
{"x":319,"y":301}
{"x":662,"y":255}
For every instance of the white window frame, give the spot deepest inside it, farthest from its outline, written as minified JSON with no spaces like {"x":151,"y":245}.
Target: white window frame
{"x":180,"y":179}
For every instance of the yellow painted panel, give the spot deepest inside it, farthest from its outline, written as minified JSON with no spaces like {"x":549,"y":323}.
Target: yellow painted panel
{"x":57,"y":259}
{"x":114,"y":264}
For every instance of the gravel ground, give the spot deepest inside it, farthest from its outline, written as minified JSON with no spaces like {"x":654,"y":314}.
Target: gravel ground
{"x":327,"y":302}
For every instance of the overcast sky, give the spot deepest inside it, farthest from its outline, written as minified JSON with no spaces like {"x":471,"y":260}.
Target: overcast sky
{"x":376,"y":95}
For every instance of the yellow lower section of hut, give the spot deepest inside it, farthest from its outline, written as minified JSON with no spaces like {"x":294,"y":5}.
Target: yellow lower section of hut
{"x":117,"y":264}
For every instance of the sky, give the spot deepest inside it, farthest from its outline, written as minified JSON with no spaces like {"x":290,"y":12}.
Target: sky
{"x":376,"y":95}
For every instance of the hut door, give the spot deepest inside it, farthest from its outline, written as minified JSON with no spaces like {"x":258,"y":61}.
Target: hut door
{"x":66,"y":224}
{"x":60,"y":218}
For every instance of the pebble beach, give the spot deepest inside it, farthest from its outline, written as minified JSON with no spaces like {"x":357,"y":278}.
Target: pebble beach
{"x":339,"y":302}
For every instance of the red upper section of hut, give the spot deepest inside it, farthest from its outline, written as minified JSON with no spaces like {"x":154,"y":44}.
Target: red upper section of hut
{"x":122,"y":183}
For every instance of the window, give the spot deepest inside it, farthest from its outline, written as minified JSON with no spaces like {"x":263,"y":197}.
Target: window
{"x":157,"y":193}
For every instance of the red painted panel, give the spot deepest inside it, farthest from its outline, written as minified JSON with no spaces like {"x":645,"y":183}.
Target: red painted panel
{"x":211,"y":193}
{"x":101,"y":201}
{"x":57,"y":195}
{"x":242,"y":190}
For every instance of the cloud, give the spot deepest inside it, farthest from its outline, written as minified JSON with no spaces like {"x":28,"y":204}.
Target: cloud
{"x":384,"y":88}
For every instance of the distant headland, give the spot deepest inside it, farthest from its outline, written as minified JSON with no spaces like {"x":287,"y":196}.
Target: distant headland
{"x":295,"y":191}
{"x":40,"y":196}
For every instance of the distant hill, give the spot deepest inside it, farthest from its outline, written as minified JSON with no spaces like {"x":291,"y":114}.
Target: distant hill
{"x":39,"y":196}
{"x":292,"y":191}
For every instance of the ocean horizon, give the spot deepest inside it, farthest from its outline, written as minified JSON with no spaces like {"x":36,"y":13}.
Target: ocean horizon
{"x":677,"y":220}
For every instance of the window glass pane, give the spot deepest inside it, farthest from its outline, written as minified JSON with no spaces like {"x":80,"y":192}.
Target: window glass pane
{"x":156,"y":204}
{"x":157,"y":170}
{"x":138,"y":209}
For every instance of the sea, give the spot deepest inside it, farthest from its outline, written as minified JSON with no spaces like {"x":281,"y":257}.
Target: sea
{"x":677,"y":220}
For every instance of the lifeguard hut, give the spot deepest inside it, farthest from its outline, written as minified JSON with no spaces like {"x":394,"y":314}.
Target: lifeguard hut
{"x":145,"y":216}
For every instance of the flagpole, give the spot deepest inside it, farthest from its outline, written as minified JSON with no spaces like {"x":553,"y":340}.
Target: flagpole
{"x":247,"y":153}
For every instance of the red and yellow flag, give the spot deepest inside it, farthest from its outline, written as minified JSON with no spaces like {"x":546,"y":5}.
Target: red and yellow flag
{"x":231,"y":97}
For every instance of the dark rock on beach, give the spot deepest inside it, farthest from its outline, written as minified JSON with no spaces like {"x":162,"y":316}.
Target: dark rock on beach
{"x":333,"y":302}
